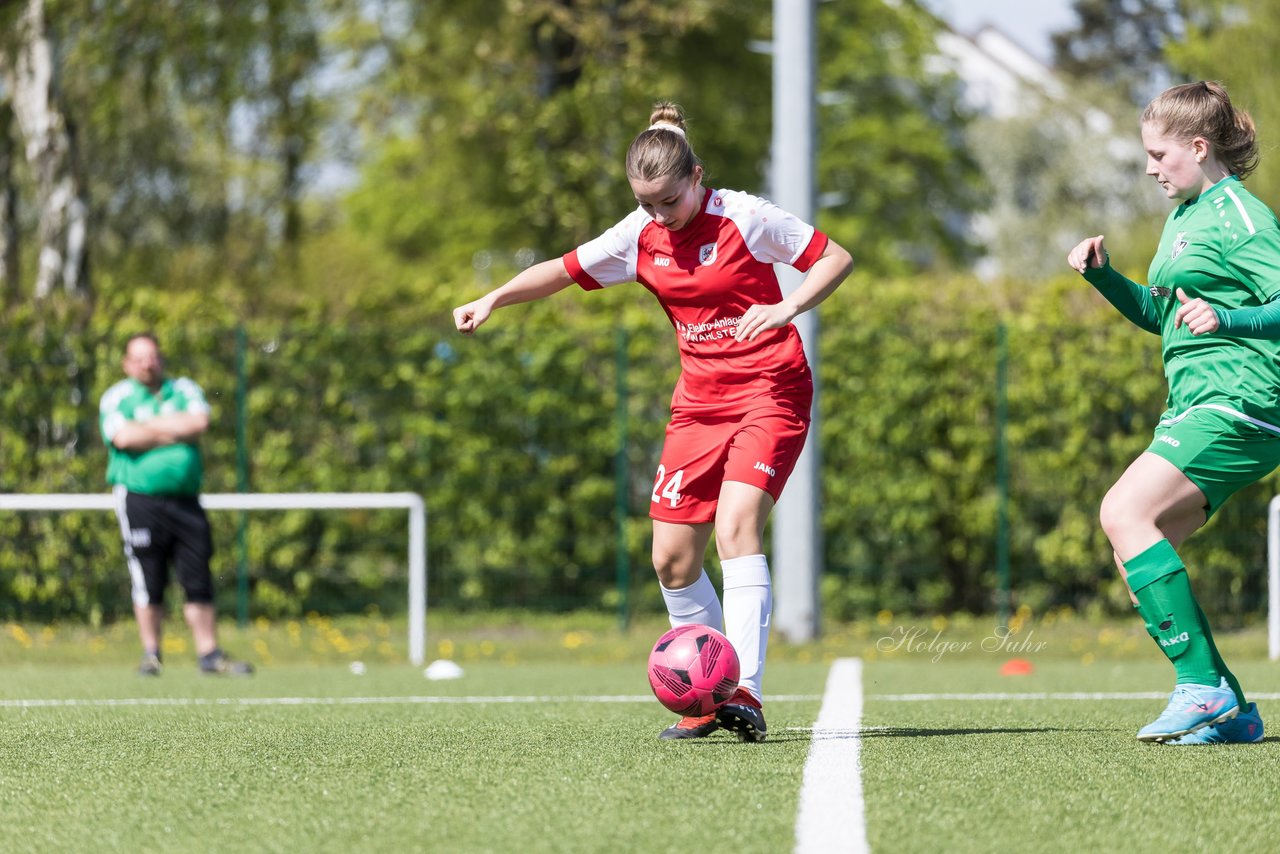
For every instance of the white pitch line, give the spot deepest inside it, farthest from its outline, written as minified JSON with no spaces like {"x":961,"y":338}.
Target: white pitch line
{"x":1073,"y":695}
{"x":832,"y":816}
{"x":338,"y":701}
{"x":311,"y":701}
{"x":104,"y":702}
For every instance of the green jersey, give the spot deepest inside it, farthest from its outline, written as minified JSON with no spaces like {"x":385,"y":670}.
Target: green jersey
{"x":1224,"y":247}
{"x":165,"y":470}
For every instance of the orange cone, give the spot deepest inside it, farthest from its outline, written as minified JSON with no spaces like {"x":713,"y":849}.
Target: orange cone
{"x":1016,"y":667}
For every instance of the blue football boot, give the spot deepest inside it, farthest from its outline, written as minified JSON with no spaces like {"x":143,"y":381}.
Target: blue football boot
{"x":1244,"y":728}
{"x":1191,"y":708}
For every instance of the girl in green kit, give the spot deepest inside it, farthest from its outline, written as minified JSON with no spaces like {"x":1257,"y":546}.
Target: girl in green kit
{"x":1212,"y":299}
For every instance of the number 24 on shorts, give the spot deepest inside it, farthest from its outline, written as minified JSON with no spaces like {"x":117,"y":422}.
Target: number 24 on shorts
{"x":671,"y":491}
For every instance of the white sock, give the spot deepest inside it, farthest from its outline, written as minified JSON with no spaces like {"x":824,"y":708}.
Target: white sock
{"x":748,"y":605}
{"x":694,"y":605}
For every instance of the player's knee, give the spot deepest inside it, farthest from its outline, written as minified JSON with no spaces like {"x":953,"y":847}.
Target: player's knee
{"x":737,"y":536}
{"x":675,"y":570}
{"x":1119,"y":516}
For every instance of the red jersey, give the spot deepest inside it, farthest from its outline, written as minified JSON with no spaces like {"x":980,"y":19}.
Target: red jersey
{"x":705,"y":276}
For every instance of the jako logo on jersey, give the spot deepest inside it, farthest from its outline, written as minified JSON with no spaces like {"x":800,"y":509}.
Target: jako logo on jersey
{"x":1161,"y":293}
{"x":707,"y":254}
{"x":661,"y":261}
{"x":1178,"y":245}
{"x":1174,"y":641}
{"x":769,"y":470}
{"x":1169,"y":440}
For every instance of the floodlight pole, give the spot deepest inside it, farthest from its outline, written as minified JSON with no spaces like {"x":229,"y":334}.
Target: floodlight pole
{"x":797,"y":535}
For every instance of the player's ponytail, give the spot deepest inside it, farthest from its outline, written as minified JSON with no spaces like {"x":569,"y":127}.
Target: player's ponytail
{"x":1203,"y":109}
{"x":662,"y":150}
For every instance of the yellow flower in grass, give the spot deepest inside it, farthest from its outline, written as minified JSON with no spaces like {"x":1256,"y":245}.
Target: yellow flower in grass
{"x":175,"y":644}
{"x":885,"y":617}
{"x":19,"y":634}
{"x":574,"y":640}
{"x":262,"y":650}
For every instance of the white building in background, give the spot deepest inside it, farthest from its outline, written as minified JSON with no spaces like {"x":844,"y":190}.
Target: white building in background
{"x":1057,"y":165}
{"x":1001,"y":78}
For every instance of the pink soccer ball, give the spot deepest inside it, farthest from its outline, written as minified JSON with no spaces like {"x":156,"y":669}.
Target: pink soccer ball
{"x":693,"y":670}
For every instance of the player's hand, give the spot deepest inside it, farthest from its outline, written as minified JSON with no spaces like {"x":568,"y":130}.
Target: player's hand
{"x":1198,"y":316}
{"x":469,"y":317}
{"x":759,"y":318}
{"x":1087,"y":253}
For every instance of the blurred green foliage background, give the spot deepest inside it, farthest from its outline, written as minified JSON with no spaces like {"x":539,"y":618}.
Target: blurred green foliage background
{"x":331,"y":177}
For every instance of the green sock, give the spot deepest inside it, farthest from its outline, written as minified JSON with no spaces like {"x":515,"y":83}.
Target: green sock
{"x":1218,"y":662}
{"x":1146,"y":621}
{"x":1159,"y":580}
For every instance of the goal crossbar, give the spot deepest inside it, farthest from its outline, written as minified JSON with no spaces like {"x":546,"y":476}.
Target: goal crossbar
{"x":410,"y":501}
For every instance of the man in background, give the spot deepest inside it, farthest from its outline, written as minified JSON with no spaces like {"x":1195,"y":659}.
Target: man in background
{"x":152,"y":426}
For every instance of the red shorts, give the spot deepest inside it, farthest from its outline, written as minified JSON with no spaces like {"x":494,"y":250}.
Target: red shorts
{"x":701,"y":452}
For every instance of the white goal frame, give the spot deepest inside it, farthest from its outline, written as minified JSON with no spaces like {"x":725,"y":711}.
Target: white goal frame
{"x":410,"y":501}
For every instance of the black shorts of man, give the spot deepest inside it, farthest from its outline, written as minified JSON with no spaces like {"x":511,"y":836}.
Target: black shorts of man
{"x":152,"y":426}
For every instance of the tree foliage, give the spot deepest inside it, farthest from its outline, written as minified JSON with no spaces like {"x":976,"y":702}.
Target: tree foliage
{"x":1059,"y":173}
{"x":894,"y":160}
{"x":1122,"y":44}
{"x":520,"y":115}
{"x":1233,"y":43}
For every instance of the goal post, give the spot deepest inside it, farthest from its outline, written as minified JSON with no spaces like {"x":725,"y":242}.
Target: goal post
{"x":1273,"y":578}
{"x":409,"y":501}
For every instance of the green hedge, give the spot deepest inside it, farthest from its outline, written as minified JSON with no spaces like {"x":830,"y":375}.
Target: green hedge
{"x":511,"y":437}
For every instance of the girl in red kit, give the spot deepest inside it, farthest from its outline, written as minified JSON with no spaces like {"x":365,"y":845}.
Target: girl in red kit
{"x":740,"y":411}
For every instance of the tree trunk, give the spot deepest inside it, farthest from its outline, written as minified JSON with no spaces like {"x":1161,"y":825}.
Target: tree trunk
{"x":50,"y":143}
{"x":9,"y":289}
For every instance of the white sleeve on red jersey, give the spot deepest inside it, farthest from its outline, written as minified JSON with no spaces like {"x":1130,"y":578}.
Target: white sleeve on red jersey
{"x":771,"y":234}
{"x":611,"y":258}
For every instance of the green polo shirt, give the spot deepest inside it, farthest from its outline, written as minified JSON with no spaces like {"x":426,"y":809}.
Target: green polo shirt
{"x":166,"y":470}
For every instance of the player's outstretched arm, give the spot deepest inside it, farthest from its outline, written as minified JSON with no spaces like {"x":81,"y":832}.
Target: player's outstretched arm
{"x":532,"y":283}
{"x":826,"y":274}
{"x":1089,"y":258}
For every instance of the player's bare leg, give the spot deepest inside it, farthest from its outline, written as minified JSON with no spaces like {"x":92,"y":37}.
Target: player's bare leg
{"x":202,"y":619}
{"x":150,"y":626}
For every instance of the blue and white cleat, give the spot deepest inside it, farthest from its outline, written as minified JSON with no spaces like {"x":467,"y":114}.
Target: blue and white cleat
{"x":1192,"y":708}
{"x":1244,"y":728}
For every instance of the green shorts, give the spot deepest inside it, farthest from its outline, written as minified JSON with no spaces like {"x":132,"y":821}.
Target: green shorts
{"x":1219,"y":452}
